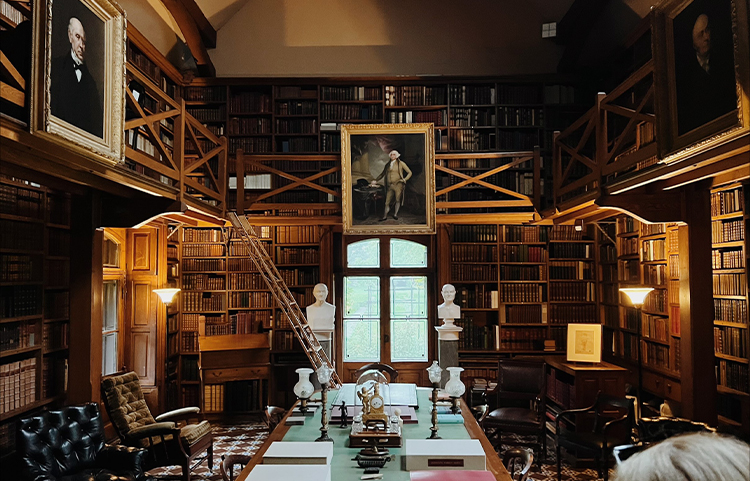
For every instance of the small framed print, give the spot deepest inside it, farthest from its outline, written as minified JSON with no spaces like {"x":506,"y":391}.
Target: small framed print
{"x":584,"y":343}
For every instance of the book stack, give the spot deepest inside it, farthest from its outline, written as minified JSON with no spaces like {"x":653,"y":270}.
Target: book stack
{"x":305,"y":453}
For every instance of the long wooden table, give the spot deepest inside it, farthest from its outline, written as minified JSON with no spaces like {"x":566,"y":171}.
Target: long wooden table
{"x":345,"y":469}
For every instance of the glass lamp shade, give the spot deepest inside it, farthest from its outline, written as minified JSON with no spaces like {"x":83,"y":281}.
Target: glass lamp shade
{"x":166,"y":295}
{"x":324,"y":374}
{"x":304,"y":388}
{"x":454,"y":387}
{"x":636,"y":294}
{"x":435,"y":372}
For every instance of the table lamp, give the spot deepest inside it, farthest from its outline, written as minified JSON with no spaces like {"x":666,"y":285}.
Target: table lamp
{"x":304,"y":388}
{"x":324,"y":376}
{"x":434,"y":372}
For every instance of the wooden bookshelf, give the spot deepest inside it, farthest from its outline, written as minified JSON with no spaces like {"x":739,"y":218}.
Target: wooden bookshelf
{"x":34,"y":299}
{"x":729,"y":234}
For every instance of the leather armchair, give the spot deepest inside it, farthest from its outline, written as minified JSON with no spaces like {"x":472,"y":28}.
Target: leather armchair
{"x":69,"y":445}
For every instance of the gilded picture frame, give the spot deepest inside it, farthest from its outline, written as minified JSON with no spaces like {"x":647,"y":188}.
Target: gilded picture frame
{"x":701,"y":81}
{"x":388,"y":178}
{"x":584,"y":343}
{"x":78,"y":77}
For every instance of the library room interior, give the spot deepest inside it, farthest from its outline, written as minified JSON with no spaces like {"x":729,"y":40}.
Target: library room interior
{"x":313,"y":240}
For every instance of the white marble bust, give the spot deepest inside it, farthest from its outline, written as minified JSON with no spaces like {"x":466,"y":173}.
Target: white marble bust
{"x":449,"y":310}
{"x":321,"y":314}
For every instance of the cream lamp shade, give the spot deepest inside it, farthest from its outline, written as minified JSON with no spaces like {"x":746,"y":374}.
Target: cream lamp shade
{"x":166,"y":295}
{"x":636,"y":294}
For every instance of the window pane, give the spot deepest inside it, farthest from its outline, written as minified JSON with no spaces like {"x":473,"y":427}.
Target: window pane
{"x":408,"y":254}
{"x":109,"y":353}
{"x":361,"y":319}
{"x":364,"y":253}
{"x":409,"y":326}
{"x":111,"y":254}
{"x":109,"y":306}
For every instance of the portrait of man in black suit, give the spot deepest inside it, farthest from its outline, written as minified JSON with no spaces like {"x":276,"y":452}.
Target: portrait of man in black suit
{"x":74,"y":93}
{"x":704,"y":64}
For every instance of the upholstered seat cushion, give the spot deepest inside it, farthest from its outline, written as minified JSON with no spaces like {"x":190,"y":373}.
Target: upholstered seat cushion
{"x":513,"y":415}
{"x":193,"y":432}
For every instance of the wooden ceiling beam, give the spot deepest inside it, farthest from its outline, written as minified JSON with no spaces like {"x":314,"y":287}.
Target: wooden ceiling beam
{"x":192,"y":35}
{"x":206,"y":30}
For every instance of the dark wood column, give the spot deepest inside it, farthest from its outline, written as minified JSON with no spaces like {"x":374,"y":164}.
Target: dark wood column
{"x":85,"y":360}
{"x":696,"y":306}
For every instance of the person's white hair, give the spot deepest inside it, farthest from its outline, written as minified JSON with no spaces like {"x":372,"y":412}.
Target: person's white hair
{"x":394,"y":152}
{"x":689,"y":457}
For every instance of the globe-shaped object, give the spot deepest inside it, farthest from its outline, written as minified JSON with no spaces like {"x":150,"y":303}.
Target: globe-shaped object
{"x":304,"y":388}
{"x":454,"y":387}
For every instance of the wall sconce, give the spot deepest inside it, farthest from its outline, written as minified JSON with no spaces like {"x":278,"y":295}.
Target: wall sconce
{"x":636,"y":294}
{"x":166,"y":295}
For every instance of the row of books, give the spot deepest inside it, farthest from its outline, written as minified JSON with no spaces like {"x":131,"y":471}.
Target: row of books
{"x":472,"y":117}
{"x":300,"y":276}
{"x":208,"y":114}
{"x":571,"y":270}
{"x":190,"y":322}
{"x":517,"y":139}
{"x":522,"y":293}
{"x":297,"y":145}
{"x":562,"y":391}
{"x":246,"y":396}
{"x":520,"y":116}
{"x":189,"y":344}
{"x":249,"y":102}
{"x":655,"y":275}
{"x":628,"y":246}
{"x":627,"y":225}
{"x":730,"y":284}
{"x":655,"y":327}
{"x":17,"y":384}
{"x":526,"y":233}
{"x":414,"y":95}
{"x":733,"y":375}
{"x":204,"y":265}
{"x":655,"y":355}
{"x":249,"y":145}
{"x":572,"y":313}
{"x":727,"y":231}
{"x":478,"y":296}
{"x":610,"y":293}
{"x":246,"y":281}
{"x":572,"y":291}
{"x":202,"y":301}
{"x":20,"y":268}
{"x":19,"y":235}
{"x":436,"y":117}
{"x":473,"y":253}
{"x":473,"y":272}
{"x":241,"y":264}
{"x":474,"y":233}
{"x":351,"y":112}
{"x":203,"y":282}
{"x":330,"y":142}
{"x":250,"y":322}
{"x":609,"y":273}
{"x":654,"y":250}
{"x":21,"y":202}
{"x":468,"y":139}
{"x":140,"y":60}
{"x":732,"y":259}
{"x":205,"y":94}
{"x":523,"y":253}
{"x":351,"y":93}
{"x":730,"y":341}
{"x":476,"y":337}
{"x":523,"y":273}
{"x":17,"y":336}
{"x":297,"y":255}
{"x":18,"y":301}
{"x":653,"y":229}
{"x":522,"y":339}
{"x":564,"y":250}
{"x":284,"y":341}
{"x":249,"y":299}
{"x":731,"y":310}
{"x":727,"y":202}
{"x":55,"y":335}
{"x":202,"y":235}
{"x":523,"y":314}
{"x":472,"y":95}
{"x":625,"y":345}
{"x":674,"y":266}
{"x":203,"y":250}
{"x":297,"y":234}
{"x":249,"y":126}
{"x":296,"y":126}
{"x":656,"y":301}
{"x":628,"y":319}
{"x":629,"y":271}
{"x":213,"y":398}
{"x":297,"y":107}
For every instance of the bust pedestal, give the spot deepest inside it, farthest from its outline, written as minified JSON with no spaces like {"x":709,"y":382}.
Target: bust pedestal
{"x":447,"y":346}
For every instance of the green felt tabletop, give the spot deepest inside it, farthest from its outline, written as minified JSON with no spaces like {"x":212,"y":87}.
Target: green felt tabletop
{"x":343,"y":468}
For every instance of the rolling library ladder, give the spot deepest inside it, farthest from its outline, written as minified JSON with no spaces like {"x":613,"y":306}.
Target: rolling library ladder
{"x":284,"y":298}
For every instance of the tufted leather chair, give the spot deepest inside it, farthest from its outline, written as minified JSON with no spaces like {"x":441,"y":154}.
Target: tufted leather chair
{"x":167,"y":443}
{"x":69,"y":445}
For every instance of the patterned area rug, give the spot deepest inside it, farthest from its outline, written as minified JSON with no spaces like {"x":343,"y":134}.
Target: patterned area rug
{"x":248,"y":438}
{"x":234,"y":439}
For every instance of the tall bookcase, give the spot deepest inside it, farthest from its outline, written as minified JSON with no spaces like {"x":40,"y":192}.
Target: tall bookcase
{"x":519,"y":287}
{"x":34,"y":301}
{"x":221,"y":284}
{"x":729,"y":234}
